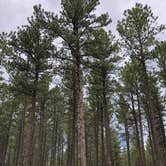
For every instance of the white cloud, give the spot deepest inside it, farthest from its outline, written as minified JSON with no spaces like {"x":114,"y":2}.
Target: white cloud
{"x":13,"y":13}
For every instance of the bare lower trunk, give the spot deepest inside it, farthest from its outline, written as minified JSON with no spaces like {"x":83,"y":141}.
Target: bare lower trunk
{"x":108,"y":139}
{"x":21,"y":136}
{"x":72,"y":128}
{"x":106,"y":124}
{"x":150,"y":141}
{"x":54,"y":140}
{"x":40,"y":150}
{"x":96,"y":133}
{"x":139,"y":159}
{"x":79,"y":104}
{"x":82,"y":130}
{"x":103,"y":158}
{"x":4,"y":144}
{"x":128,"y":144}
{"x":29,"y":146}
{"x":141,"y":131}
{"x":152,"y":118}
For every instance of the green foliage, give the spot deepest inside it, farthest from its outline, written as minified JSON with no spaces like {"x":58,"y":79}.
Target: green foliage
{"x":74,"y":23}
{"x":123,"y":112}
{"x":30,"y":51}
{"x":129,"y":76}
{"x":31,"y":58}
{"x":138,"y":30}
{"x":160,"y":55}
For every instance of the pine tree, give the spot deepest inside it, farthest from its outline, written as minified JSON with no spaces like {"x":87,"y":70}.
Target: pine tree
{"x":101,"y":47}
{"x":138,"y":31}
{"x":30,"y":49}
{"x":72,"y":26}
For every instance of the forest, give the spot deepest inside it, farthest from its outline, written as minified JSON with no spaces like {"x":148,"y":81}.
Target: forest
{"x":74,"y":94}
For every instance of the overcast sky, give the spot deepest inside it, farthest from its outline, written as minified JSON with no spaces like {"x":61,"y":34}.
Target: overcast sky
{"x":13,"y":13}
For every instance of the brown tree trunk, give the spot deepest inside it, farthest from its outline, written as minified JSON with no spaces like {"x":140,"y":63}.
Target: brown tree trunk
{"x":108,"y":138}
{"x":21,"y":136}
{"x":77,"y":148}
{"x":62,"y":148}
{"x":161,"y":129}
{"x":82,"y":129}
{"x":128,"y":144}
{"x":40,"y":150}
{"x":103,"y":158}
{"x":29,"y":147}
{"x":150,"y":140}
{"x":79,"y":101}
{"x":72,"y":131}
{"x":8,"y":162}
{"x":45,"y":148}
{"x":96,"y":132}
{"x":152,"y":117}
{"x":69,"y":142}
{"x":54,"y":140}
{"x":106,"y":125}
{"x":58,"y":148}
{"x":72,"y":141}
{"x":4,"y":144}
{"x":140,"y":159}
{"x":141,"y":129}
{"x":75,"y":50}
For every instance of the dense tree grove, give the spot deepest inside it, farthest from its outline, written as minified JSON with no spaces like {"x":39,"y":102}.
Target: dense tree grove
{"x":91,"y":99}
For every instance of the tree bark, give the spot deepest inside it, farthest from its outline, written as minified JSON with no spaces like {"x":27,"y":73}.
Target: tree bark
{"x":152,"y":118}
{"x":141,"y":129}
{"x":140,"y":159}
{"x":128,"y":144}
{"x":40,"y":151}
{"x":106,"y":123}
{"x":54,"y":140}
{"x":103,"y":158}
{"x":21,"y":136}
{"x":96,"y":128}
{"x":72,"y":135}
{"x":82,"y":130}
{"x":6,"y":141}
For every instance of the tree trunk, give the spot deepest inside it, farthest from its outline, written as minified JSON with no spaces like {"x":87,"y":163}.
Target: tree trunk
{"x":150,"y":140}
{"x":96,"y":128}
{"x":54,"y":140}
{"x":21,"y":136}
{"x":161,"y":129}
{"x":152,"y":118}
{"x":62,"y":147}
{"x":75,"y":50}
{"x":29,"y":146}
{"x":79,"y":107}
{"x":82,"y":129}
{"x":72,"y":135}
{"x":8,"y":158}
{"x":69,"y":136}
{"x":45,"y":148}
{"x":106,"y":124}
{"x":141,"y":129}
{"x":6,"y":141}
{"x":77,"y":146}
{"x":103,"y":158}
{"x":58,"y":148}
{"x":128,"y":144}
{"x":40,"y":150}
{"x":140,"y":159}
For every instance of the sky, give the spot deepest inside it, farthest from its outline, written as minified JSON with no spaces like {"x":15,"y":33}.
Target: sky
{"x":14,"y":13}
